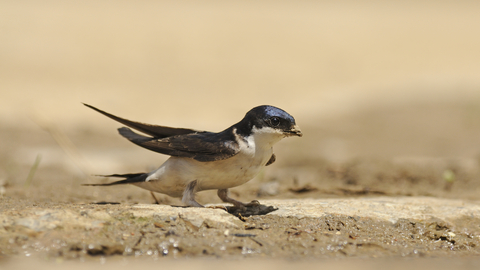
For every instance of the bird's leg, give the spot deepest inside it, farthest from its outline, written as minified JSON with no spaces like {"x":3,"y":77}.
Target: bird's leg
{"x":189,"y":195}
{"x":223,"y":194}
{"x":155,"y":198}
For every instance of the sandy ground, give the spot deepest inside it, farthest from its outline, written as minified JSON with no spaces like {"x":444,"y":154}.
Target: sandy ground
{"x":387,"y":95}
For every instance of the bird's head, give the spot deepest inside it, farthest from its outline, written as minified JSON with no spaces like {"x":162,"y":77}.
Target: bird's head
{"x":271,"y":120}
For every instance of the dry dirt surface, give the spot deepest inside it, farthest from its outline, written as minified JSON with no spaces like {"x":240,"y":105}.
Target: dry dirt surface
{"x":387,"y":95}
{"x":297,"y":229}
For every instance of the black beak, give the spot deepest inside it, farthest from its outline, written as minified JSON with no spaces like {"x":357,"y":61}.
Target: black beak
{"x":295,"y":131}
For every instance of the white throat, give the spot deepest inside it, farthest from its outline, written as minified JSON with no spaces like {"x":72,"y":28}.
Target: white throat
{"x":266,"y":136}
{"x":260,"y":142}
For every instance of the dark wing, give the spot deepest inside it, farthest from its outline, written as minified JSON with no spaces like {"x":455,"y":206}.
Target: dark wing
{"x":153,"y":130}
{"x":205,"y":146}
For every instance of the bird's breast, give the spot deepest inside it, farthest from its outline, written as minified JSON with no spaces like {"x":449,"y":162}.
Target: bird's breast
{"x":231,"y":172}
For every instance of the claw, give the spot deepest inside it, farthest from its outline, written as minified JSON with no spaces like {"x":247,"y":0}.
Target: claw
{"x":253,"y":203}
{"x":217,"y":207}
{"x":223,"y":194}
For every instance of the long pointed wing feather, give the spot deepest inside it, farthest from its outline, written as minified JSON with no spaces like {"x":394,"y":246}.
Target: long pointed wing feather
{"x":153,"y":130}
{"x":199,"y":146}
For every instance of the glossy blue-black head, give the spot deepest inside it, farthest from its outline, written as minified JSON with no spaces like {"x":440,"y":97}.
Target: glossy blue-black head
{"x":266,"y":116}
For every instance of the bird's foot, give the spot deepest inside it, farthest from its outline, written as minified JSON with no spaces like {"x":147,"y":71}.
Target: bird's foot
{"x":189,"y":195}
{"x":155,"y":198}
{"x":243,"y":206}
{"x":252,"y":208}
{"x":252,"y":203}
{"x":217,"y":207}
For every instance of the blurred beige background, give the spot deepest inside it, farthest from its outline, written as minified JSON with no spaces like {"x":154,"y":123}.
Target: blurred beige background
{"x":386,"y":78}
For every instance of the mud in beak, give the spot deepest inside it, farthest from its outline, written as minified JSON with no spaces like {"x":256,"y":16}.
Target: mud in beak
{"x":295,"y":131}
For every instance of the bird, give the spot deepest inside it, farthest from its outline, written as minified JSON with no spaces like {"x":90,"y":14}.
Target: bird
{"x":203,"y":160}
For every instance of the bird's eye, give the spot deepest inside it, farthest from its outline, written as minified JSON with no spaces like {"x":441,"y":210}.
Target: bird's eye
{"x":275,"y":121}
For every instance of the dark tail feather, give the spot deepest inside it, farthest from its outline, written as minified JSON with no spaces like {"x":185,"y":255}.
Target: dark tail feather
{"x":108,"y":184}
{"x":129,"y":179}
{"x":127,"y":175}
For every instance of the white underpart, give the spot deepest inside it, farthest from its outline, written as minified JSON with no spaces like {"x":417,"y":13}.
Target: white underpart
{"x":172,"y":176}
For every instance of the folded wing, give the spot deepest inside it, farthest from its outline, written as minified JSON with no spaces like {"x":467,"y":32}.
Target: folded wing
{"x":205,"y":146}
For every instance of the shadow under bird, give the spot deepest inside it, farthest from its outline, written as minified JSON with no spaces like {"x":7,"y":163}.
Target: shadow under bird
{"x":202,"y":160}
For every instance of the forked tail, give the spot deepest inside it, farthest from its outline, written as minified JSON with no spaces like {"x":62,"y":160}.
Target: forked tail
{"x":130,"y":178}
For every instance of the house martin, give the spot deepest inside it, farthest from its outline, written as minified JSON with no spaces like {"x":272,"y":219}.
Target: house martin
{"x":202,"y":160}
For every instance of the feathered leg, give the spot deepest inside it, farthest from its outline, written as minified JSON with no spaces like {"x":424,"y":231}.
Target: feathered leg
{"x":189,"y":195}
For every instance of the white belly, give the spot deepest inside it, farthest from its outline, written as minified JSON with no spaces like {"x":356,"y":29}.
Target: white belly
{"x":173,"y":176}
